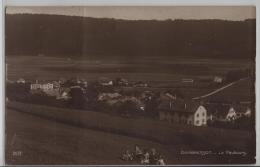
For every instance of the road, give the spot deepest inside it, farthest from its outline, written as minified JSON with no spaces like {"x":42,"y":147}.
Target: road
{"x":218,"y":90}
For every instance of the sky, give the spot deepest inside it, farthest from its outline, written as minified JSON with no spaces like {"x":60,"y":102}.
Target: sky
{"x":145,"y":13}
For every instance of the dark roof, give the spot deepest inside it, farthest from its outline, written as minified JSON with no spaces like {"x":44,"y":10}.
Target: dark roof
{"x":175,"y":92}
{"x":241,"y":108}
{"x":167,"y":103}
{"x":104,"y":80}
{"x":218,"y":110}
{"x":221,"y":110}
{"x":179,"y":105}
{"x":180,"y":112}
{"x":191,"y":106}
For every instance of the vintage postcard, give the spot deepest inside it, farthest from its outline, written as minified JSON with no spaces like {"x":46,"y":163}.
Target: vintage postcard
{"x":130,"y":85}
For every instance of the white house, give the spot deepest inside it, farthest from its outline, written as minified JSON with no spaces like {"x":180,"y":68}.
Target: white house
{"x":109,"y":83}
{"x":192,"y":114}
{"x":248,"y":112}
{"x":218,"y":79}
{"x":44,"y":86}
{"x":231,"y":115}
{"x":200,"y":116}
{"x":105,"y":81}
{"x":21,"y":80}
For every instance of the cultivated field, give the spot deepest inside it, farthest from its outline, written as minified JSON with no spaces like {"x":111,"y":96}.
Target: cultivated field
{"x":149,"y":69}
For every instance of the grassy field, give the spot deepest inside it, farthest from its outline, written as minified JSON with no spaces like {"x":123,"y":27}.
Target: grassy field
{"x":146,"y":69}
{"x":173,"y":136}
{"x":48,"y":142}
{"x":49,"y":135}
{"x":157,"y":73}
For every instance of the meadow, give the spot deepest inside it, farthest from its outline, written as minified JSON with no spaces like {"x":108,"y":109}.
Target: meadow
{"x":160,"y":74}
{"x":148,"y":69}
{"x":174,"y":136}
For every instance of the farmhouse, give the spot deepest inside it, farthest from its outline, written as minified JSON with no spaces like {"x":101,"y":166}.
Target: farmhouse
{"x":227,"y":112}
{"x":248,"y":112}
{"x":43,"y":86}
{"x":170,"y":102}
{"x":197,"y":114}
{"x":105,"y":81}
{"x":239,"y":111}
{"x":177,"y":110}
{"x":218,"y":79}
{"x":21,"y":80}
{"x":231,"y":115}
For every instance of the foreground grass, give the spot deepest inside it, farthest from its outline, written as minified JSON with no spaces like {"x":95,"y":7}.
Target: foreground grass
{"x":170,"y":135}
{"x":42,"y":141}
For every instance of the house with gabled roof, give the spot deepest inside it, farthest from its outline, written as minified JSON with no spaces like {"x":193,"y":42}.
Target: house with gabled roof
{"x":196,"y":114}
{"x":21,"y":80}
{"x":248,"y":112}
{"x":231,"y":114}
{"x":238,"y":111}
{"x":219,"y":112}
{"x":228,"y":112}
{"x":105,"y":81}
{"x":176,"y":110}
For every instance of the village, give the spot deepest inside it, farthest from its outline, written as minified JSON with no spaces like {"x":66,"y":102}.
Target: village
{"x":134,"y":99}
{"x":129,"y":85}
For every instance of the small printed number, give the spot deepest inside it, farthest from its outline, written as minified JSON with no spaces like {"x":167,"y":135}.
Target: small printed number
{"x":17,"y":153}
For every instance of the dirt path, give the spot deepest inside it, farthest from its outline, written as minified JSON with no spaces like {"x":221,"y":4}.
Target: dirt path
{"x":217,"y":90}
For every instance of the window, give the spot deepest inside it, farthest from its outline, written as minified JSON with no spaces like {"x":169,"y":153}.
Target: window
{"x":197,"y":122}
{"x":203,"y":114}
{"x":198,"y":115}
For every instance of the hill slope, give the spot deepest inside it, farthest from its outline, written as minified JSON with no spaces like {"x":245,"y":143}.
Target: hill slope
{"x":81,"y":36}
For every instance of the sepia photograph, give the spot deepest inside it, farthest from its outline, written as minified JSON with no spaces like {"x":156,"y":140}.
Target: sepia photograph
{"x":130,"y":85}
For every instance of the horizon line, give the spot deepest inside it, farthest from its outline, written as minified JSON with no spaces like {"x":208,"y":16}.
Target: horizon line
{"x":234,"y":13}
{"x":112,"y":18}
